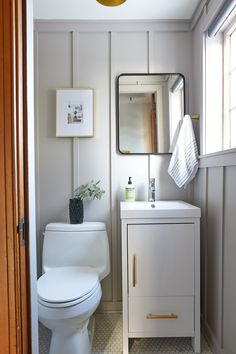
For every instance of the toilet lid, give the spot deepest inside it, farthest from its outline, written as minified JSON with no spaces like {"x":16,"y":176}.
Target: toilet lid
{"x":61,"y":285}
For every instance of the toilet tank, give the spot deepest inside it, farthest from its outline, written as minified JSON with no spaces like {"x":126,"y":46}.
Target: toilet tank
{"x":79,"y":245}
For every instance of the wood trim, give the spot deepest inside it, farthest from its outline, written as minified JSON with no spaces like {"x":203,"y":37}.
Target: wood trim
{"x":111,"y":25}
{"x":20,"y":133}
{"x":219,"y":159}
{"x":26,"y":305}
{"x":221,"y":258}
{"x":9,"y":336}
{"x":4,"y":318}
{"x":75,"y":83}
{"x":114,"y":217}
{"x":204,"y":238}
{"x":14,"y":320}
{"x":211,"y":339}
{"x":110,"y":307}
{"x":198,"y":13}
{"x":151,"y":55}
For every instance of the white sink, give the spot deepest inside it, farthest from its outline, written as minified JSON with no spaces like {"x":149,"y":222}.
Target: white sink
{"x":161,"y":208}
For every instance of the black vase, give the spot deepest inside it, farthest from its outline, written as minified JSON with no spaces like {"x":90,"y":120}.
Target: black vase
{"x":76,"y":211}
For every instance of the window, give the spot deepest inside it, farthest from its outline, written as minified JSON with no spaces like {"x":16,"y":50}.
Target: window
{"x":220,"y":89}
{"x":176,"y":113}
{"x":230,"y":86}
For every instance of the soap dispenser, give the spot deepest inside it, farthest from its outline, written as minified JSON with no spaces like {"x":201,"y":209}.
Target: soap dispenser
{"x":130,"y":191}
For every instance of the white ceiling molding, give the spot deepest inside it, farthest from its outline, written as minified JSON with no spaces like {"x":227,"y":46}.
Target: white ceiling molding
{"x":198,"y":13}
{"x":130,"y":10}
{"x":112,"y":25}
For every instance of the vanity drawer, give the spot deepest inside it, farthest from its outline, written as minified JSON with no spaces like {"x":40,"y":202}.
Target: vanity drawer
{"x":162,"y":316}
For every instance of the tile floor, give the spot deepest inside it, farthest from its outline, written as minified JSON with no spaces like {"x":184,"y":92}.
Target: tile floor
{"x":107,"y":339}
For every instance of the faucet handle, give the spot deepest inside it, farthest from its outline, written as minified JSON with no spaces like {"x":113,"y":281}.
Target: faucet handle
{"x":151,"y":190}
{"x":152,"y":182}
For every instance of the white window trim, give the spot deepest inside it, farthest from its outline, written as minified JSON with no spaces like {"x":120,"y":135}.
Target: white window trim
{"x":226,"y":91}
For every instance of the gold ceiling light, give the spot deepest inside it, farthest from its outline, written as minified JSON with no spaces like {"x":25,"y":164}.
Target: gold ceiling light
{"x":111,"y":2}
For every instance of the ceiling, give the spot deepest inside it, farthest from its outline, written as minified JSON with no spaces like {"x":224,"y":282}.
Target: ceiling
{"x":130,"y":10}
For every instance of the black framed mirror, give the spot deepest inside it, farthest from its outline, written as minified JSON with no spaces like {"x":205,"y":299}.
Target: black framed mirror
{"x":149,"y":110}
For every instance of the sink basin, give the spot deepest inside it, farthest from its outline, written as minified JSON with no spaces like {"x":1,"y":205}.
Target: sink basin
{"x":158,"y":209}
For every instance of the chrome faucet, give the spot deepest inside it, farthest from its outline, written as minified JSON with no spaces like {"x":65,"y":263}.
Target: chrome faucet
{"x":151,"y":190}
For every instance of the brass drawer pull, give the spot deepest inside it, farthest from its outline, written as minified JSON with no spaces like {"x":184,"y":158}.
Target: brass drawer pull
{"x":134,"y":270}
{"x":153,"y":317}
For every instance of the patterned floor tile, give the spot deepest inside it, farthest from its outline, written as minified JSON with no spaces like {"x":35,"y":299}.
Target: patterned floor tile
{"x":108,"y":340}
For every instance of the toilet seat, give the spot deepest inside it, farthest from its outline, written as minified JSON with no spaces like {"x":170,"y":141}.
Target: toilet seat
{"x":67,"y":286}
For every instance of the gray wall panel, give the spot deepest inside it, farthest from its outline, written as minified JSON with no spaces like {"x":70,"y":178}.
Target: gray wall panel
{"x":229,"y":299}
{"x":215,"y":193}
{"x":94,"y":59}
{"x":129,"y":54}
{"x":200,"y":192}
{"x":54,"y":162}
{"x":93,"y":154}
{"x":214,"y":249}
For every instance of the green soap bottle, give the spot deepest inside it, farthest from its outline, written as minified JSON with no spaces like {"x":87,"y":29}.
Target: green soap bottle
{"x":130,"y":191}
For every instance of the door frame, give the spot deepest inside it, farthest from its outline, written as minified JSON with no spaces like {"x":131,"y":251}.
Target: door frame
{"x":31,"y":175}
{"x":16,"y":282}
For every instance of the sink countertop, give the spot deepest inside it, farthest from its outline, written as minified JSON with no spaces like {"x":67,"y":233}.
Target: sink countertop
{"x":158,"y":209}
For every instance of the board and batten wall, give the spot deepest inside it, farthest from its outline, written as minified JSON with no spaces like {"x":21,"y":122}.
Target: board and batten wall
{"x":215,"y":193}
{"x":91,"y":55}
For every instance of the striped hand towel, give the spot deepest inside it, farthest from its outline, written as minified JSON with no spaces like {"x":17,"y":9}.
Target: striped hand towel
{"x":184,"y":161}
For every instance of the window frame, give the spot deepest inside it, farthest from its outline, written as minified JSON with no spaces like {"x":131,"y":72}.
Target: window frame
{"x":227,"y":70}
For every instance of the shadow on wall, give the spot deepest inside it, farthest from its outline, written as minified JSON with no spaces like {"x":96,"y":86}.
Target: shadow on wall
{"x":166,"y":188}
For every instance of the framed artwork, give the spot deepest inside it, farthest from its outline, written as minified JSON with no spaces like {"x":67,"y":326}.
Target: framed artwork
{"x":74,"y":112}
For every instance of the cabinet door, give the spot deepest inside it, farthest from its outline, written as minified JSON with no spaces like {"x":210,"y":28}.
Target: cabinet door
{"x":161,"y":260}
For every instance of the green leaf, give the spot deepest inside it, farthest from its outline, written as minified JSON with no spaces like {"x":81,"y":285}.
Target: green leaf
{"x":89,"y":191}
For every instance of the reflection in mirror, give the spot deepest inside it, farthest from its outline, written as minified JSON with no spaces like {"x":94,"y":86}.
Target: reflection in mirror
{"x":150,"y":108}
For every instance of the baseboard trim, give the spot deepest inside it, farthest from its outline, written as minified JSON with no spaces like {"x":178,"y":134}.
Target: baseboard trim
{"x":112,"y":307}
{"x":210,"y":338}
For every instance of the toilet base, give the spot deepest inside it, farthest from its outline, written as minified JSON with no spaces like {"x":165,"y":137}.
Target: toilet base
{"x":69,"y":325}
{"x":70,"y":343}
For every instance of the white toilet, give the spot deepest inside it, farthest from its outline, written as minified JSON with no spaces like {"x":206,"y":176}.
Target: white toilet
{"x":75,"y":259}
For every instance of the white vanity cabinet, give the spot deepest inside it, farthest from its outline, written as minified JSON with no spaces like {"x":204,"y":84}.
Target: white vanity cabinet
{"x":160,"y":269}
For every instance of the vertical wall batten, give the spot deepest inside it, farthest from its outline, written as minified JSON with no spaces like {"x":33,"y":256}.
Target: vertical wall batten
{"x":151,"y":52}
{"x":75,"y":83}
{"x":37,"y":185}
{"x":221,"y":256}
{"x":222,"y":262}
{"x":114,"y":292}
{"x":229,"y":290}
{"x":148,"y":52}
{"x":214,"y":251}
{"x":114,"y":247}
{"x":204,"y":215}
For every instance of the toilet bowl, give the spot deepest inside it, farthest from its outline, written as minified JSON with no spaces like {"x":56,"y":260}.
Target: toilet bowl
{"x":70,"y":291}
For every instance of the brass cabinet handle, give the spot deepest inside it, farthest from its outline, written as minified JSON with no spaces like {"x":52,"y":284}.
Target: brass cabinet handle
{"x":153,"y":317}
{"x":134,"y":270}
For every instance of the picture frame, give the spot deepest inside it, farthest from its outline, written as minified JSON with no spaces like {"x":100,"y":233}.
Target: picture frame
{"x":74,"y":112}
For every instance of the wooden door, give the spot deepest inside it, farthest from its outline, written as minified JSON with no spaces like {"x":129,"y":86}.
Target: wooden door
{"x":14,"y":304}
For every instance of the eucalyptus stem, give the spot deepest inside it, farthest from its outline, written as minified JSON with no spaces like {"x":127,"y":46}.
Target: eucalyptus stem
{"x":88,"y":191}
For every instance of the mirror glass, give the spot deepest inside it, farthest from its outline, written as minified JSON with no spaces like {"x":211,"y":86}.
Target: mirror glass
{"x":149,"y":110}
